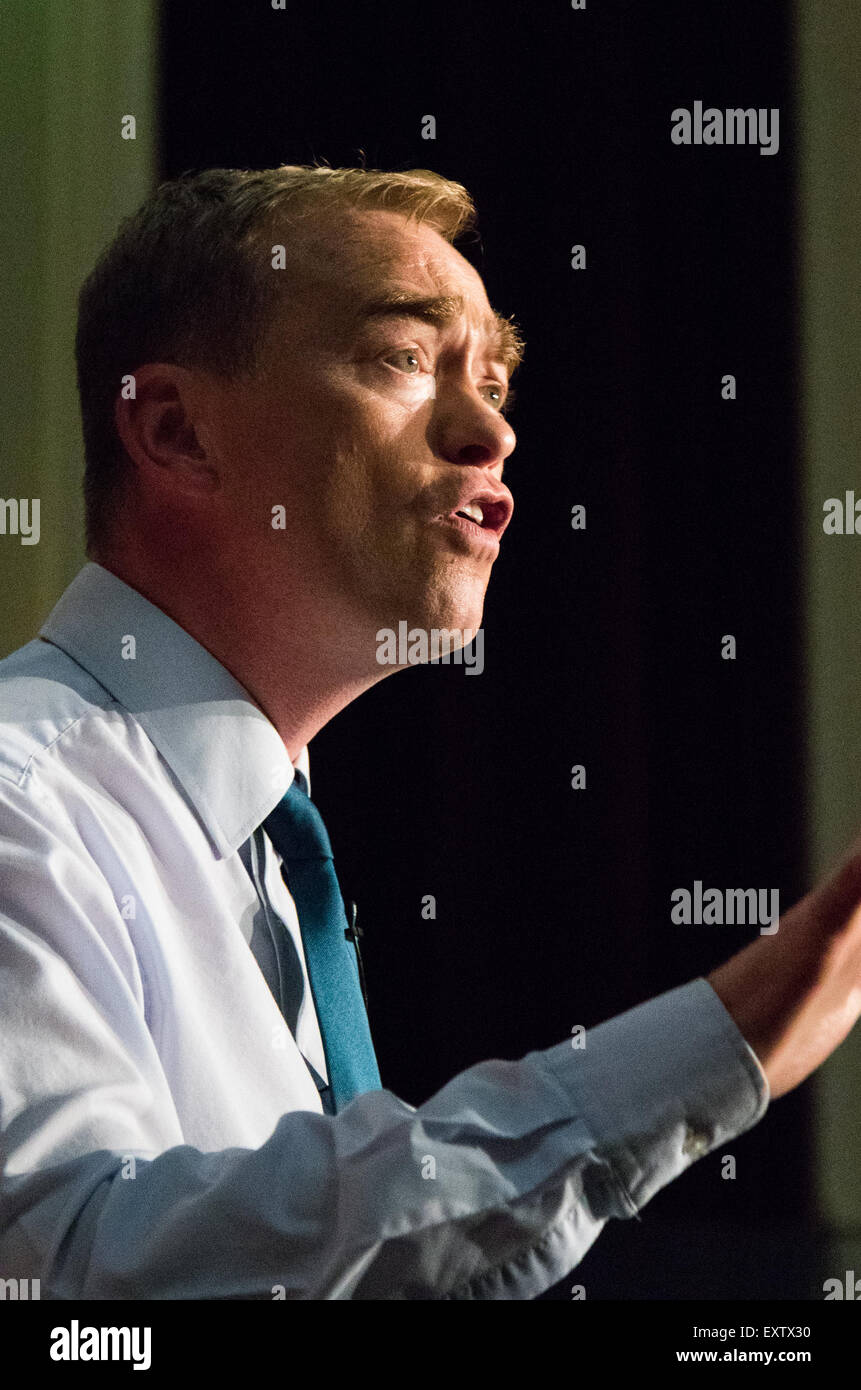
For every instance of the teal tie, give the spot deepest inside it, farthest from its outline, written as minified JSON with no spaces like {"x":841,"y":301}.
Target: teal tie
{"x":297,"y":831}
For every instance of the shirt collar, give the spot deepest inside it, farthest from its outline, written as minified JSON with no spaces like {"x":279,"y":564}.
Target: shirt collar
{"x":229,"y":758}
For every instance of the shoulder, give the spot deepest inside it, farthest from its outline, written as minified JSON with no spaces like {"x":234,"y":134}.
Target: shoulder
{"x":46,"y":699}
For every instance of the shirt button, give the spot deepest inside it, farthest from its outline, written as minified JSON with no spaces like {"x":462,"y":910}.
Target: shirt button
{"x":696,"y":1144}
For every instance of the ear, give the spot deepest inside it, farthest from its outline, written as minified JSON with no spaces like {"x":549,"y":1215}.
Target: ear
{"x":162,"y":420}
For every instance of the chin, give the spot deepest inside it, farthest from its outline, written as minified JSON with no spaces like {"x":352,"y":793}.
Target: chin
{"x":451,"y":617}
{"x":458,"y":604}
{"x":440,"y":599}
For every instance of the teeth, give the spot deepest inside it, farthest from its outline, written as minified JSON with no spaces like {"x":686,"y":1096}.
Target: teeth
{"x":474,"y":512}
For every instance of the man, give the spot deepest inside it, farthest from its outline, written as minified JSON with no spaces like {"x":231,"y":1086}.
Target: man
{"x":293,"y":393}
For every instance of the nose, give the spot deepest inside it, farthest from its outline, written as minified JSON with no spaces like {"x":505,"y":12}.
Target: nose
{"x":468,"y":430}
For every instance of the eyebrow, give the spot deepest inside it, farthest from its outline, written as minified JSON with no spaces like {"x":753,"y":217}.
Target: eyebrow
{"x":506,"y":340}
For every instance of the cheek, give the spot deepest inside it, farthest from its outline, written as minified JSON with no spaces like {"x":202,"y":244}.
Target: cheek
{"x":376,"y":466}
{"x":284,"y":448}
{"x":348,"y":491}
{"x":344,"y":459}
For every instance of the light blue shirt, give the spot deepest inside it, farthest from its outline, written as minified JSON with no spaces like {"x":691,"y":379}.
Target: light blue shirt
{"x":163,"y":1134}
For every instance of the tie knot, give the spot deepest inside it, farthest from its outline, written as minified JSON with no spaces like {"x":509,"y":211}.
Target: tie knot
{"x":296,"y":827}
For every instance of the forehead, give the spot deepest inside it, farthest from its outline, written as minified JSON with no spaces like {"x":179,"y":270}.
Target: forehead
{"x":353,"y":258}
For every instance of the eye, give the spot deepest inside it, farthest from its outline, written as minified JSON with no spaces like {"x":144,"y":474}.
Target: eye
{"x":498,"y":397}
{"x":411,"y":356}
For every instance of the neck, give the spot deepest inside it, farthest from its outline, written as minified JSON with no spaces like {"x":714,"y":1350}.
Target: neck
{"x":299,"y":660}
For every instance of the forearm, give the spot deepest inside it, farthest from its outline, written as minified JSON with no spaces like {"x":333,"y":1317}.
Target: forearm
{"x":495,"y":1188}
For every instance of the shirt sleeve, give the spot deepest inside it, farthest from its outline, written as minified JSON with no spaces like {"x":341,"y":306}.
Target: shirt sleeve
{"x":493,"y":1189}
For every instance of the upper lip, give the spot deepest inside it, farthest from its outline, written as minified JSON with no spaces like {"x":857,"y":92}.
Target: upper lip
{"x":496,"y":504}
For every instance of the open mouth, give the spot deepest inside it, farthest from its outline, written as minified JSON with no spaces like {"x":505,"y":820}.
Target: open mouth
{"x":490,"y":517}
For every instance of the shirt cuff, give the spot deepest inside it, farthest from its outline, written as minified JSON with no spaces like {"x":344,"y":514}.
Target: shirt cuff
{"x":659,"y":1087}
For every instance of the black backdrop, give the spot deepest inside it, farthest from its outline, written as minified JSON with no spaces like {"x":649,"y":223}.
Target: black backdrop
{"x":603,"y":645}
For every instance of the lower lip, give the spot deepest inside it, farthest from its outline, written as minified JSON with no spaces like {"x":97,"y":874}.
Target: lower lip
{"x":481,"y":537}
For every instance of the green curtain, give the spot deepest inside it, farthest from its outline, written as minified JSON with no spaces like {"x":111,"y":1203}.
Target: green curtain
{"x":829,"y":154}
{"x":70,"y":70}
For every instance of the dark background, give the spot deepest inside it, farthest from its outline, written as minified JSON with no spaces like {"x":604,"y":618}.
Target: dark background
{"x":601,"y":647}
